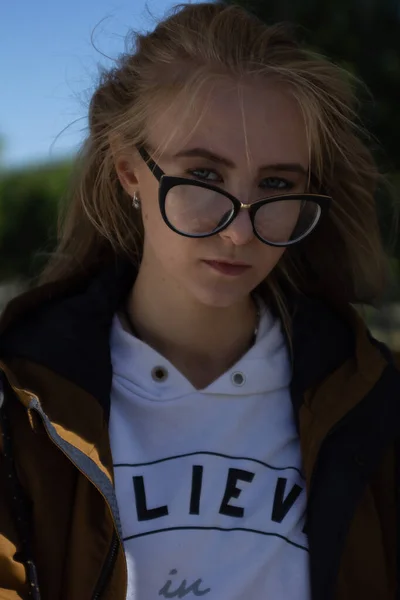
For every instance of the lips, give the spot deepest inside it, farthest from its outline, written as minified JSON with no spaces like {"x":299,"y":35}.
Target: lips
{"x":228,"y":268}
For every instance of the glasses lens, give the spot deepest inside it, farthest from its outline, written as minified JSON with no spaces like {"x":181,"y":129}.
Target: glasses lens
{"x":195,"y":210}
{"x":286,"y":221}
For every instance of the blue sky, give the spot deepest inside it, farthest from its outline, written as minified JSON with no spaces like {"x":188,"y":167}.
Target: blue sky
{"x":48,"y":67}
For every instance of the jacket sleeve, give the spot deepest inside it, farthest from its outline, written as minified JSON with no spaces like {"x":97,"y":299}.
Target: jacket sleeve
{"x":13,"y":579}
{"x":397,"y":459}
{"x":13,"y":583}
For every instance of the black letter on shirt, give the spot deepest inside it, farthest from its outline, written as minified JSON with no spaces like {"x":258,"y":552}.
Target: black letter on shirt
{"x":144,"y":513}
{"x":231,"y":491}
{"x":197,"y":479}
{"x":282,"y":506}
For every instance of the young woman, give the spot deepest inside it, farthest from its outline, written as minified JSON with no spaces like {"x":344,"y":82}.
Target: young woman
{"x":191,"y":407}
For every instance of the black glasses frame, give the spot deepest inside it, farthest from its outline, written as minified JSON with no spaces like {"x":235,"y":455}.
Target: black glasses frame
{"x":167,"y":182}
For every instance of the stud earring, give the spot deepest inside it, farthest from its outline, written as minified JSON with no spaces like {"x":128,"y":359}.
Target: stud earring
{"x":136,"y":201}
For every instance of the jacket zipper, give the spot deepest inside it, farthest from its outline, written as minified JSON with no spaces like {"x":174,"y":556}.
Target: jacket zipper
{"x":108,"y":568}
{"x":112,"y":555}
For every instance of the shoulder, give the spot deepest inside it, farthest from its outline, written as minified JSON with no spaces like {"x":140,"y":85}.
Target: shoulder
{"x":326,"y":336}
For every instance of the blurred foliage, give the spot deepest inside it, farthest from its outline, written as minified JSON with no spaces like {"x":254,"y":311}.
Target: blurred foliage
{"x":29,"y":203}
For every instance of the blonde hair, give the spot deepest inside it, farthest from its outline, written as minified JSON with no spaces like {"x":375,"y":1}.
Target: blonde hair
{"x":343,"y":260}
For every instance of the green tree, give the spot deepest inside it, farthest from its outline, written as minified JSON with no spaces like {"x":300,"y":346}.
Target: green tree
{"x":29,"y":204}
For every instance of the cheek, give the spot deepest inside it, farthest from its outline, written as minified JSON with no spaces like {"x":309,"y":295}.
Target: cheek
{"x":152,"y":220}
{"x":169,"y":248}
{"x":269,"y":257}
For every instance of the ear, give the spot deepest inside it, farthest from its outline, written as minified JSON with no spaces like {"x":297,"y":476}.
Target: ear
{"x":125,"y":167}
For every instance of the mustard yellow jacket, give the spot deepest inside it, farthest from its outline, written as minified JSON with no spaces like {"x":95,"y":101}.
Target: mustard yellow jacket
{"x":60,"y":534}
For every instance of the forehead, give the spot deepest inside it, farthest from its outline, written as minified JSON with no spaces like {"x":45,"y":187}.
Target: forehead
{"x":252,"y":121}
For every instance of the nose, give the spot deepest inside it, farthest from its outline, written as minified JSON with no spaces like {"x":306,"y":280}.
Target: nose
{"x":240,"y":231}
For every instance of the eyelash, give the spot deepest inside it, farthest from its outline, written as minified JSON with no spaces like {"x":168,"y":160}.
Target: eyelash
{"x":192,"y":172}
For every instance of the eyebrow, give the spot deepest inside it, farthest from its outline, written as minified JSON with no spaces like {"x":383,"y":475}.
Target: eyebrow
{"x":204,"y":153}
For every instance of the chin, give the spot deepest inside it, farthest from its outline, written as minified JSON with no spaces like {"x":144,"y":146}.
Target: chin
{"x":220,"y":298}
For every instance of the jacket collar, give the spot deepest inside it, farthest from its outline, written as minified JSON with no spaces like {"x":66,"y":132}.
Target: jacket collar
{"x":66,"y":327}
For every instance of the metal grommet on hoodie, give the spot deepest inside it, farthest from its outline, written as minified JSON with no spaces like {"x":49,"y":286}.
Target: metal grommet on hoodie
{"x":238,"y":378}
{"x":159,"y":374}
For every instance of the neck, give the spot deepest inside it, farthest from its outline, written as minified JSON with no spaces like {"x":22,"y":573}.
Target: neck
{"x":201,"y":341}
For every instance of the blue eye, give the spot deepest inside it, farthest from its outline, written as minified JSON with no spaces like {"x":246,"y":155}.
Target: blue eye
{"x":276,"y":183}
{"x":204,"y":174}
